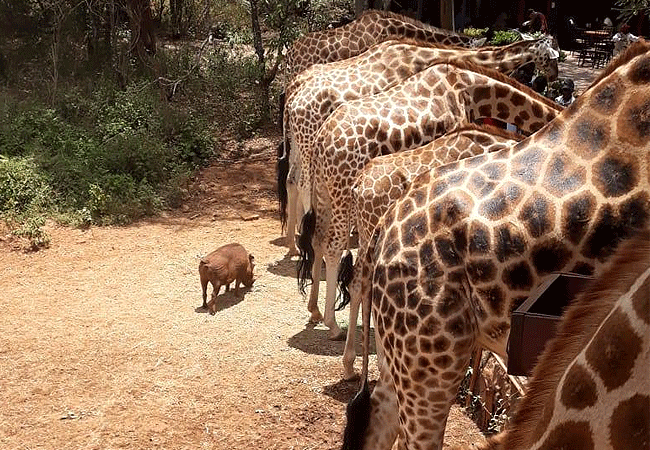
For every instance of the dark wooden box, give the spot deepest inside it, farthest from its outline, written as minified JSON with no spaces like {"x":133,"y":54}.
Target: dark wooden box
{"x":534,"y":322}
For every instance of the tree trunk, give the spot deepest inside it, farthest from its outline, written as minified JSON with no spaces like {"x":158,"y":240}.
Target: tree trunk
{"x":264,"y":82}
{"x":143,"y":36}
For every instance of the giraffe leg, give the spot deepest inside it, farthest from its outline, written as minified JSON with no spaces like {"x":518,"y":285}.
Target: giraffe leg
{"x":292,"y":203}
{"x":331,"y":271}
{"x":312,"y":305}
{"x":384,"y":426}
{"x":349,"y":353}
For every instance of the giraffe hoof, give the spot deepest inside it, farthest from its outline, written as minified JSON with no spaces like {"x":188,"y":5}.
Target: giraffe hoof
{"x":316,"y":317}
{"x":293,"y":252}
{"x":354,"y":376}
{"x":337,"y":336}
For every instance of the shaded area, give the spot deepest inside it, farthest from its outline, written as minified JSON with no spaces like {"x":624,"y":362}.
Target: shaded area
{"x":315,"y":341}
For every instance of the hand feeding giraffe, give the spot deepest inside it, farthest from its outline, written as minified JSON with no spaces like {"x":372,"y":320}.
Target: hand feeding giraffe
{"x":314,"y":93}
{"x":382,"y":181}
{"x":590,"y":389}
{"x":468,"y":241}
{"x":442,"y":97}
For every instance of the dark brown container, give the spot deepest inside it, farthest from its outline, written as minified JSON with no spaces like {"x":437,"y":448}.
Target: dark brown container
{"x":535,"y":321}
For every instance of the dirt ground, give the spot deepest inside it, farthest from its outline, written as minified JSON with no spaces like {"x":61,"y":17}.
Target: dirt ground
{"x":103,"y":346}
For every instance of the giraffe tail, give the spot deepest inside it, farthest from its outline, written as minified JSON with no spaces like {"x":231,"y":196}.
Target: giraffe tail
{"x":282,"y":171}
{"x":358,"y":410}
{"x":306,"y":248}
{"x":346,"y":271}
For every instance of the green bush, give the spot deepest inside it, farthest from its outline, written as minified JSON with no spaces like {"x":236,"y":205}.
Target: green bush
{"x":475,"y":32}
{"x":504,"y":37}
{"x":120,"y":155}
{"x":23,"y":188}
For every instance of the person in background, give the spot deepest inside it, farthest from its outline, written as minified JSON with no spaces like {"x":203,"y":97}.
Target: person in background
{"x":623,"y":39}
{"x":536,"y":22}
{"x":566,"y":93}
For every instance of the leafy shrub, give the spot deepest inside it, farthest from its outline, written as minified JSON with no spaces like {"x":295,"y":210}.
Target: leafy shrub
{"x":475,"y":32}
{"x":32,"y":230}
{"x":505,"y":37}
{"x":23,"y":188}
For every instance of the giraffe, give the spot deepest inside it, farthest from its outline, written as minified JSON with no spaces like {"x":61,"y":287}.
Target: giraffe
{"x":591,"y":387}
{"x":316,"y":92}
{"x":383,"y":180}
{"x":468,"y":241}
{"x":428,"y":104}
{"x":372,"y":27}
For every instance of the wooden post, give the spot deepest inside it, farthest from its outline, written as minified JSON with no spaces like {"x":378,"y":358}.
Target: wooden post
{"x":476,"y":371}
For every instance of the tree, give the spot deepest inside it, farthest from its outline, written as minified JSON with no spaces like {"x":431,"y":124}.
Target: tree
{"x":281,"y":16}
{"x":630,"y":8}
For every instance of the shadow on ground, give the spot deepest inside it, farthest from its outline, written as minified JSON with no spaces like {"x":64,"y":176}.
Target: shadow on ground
{"x":314,"y":340}
{"x":226,"y":300}
{"x":343,"y":391}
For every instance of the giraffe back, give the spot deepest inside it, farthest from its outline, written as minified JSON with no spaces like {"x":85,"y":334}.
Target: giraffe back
{"x":356,"y":37}
{"x":384,"y":178}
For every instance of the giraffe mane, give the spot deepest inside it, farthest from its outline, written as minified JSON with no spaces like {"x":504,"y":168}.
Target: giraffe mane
{"x":634,"y":50}
{"x":579,"y":323}
{"x":491,"y":129}
{"x":498,"y":76}
{"x":407,"y":19}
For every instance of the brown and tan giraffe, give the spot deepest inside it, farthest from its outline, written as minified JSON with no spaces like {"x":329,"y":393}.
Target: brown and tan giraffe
{"x":354,"y":38}
{"x":316,"y":92}
{"x":590,"y":389}
{"x":383,"y":180}
{"x":442,"y":97}
{"x":468,"y":241}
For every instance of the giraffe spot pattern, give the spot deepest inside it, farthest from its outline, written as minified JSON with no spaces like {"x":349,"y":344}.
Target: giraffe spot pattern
{"x":518,"y":276}
{"x":579,"y":390}
{"x":451,"y":302}
{"x":576,"y":215}
{"x":450,"y":209}
{"x":441,"y":344}
{"x":509,"y":242}
{"x":640,"y":72}
{"x":494,"y":297}
{"x":615,"y":224}
{"x":527,"y":164}
{"x":583,"y":268}
{"x":569,"y":435}
{"x":614,"y":176}
{"x":538,"y":216}
{"x":550,"y":256}
{"x":607,"y":97}
{"x":563,"y":175}
{"x":634,"y":123}
{"x":481,"y":271}
{"x":588,"y":136}
{"x":447,"y":252}
{"x":458,"y":327}
{"x":629,"y":426}
{"x":479,"y":241}
{"x":494,"y":171}
{"x":622,"y":346}
{"x":414,"y":229}
{"x":480,"y":186}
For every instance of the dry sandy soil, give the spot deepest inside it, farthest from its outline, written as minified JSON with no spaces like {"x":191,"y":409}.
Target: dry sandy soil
{"x":102,"y":345}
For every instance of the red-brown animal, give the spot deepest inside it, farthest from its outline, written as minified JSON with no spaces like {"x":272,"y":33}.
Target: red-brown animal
{"x":226,"y":264}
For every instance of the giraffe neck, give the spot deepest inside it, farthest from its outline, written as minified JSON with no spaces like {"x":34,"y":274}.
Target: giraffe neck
{"x":497,"y":96}
{"x":507,"y":59}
